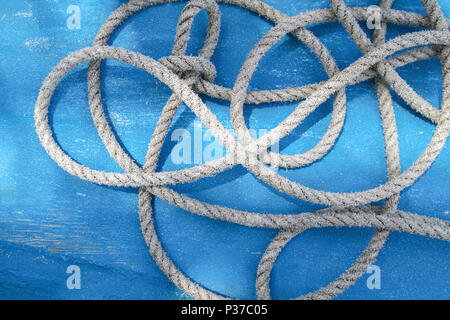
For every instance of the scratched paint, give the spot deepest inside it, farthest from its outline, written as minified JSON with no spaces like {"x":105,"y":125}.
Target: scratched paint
{"x":50,"y":220}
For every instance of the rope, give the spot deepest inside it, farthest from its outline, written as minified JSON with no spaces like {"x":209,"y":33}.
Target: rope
{"x":187,"y":76}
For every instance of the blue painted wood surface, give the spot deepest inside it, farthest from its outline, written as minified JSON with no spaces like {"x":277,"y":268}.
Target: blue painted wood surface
{"x":50,"y":219}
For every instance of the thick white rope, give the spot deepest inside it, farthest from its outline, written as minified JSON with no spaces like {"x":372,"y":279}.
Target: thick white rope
{"x":186,"y":75}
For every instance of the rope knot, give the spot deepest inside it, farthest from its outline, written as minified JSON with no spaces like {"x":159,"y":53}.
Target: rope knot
{"x":190,"y":67}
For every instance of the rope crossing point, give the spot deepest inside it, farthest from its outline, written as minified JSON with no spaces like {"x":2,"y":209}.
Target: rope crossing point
{"x":188,"y":76}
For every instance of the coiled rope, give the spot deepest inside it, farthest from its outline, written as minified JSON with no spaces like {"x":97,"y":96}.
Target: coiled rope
{"x":187,"y":76}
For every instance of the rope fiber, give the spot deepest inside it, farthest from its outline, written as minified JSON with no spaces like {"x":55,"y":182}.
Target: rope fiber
{"x":188,"y":76}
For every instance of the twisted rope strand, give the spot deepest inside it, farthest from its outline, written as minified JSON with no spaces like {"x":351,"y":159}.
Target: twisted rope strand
{"x":189,"y":75}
